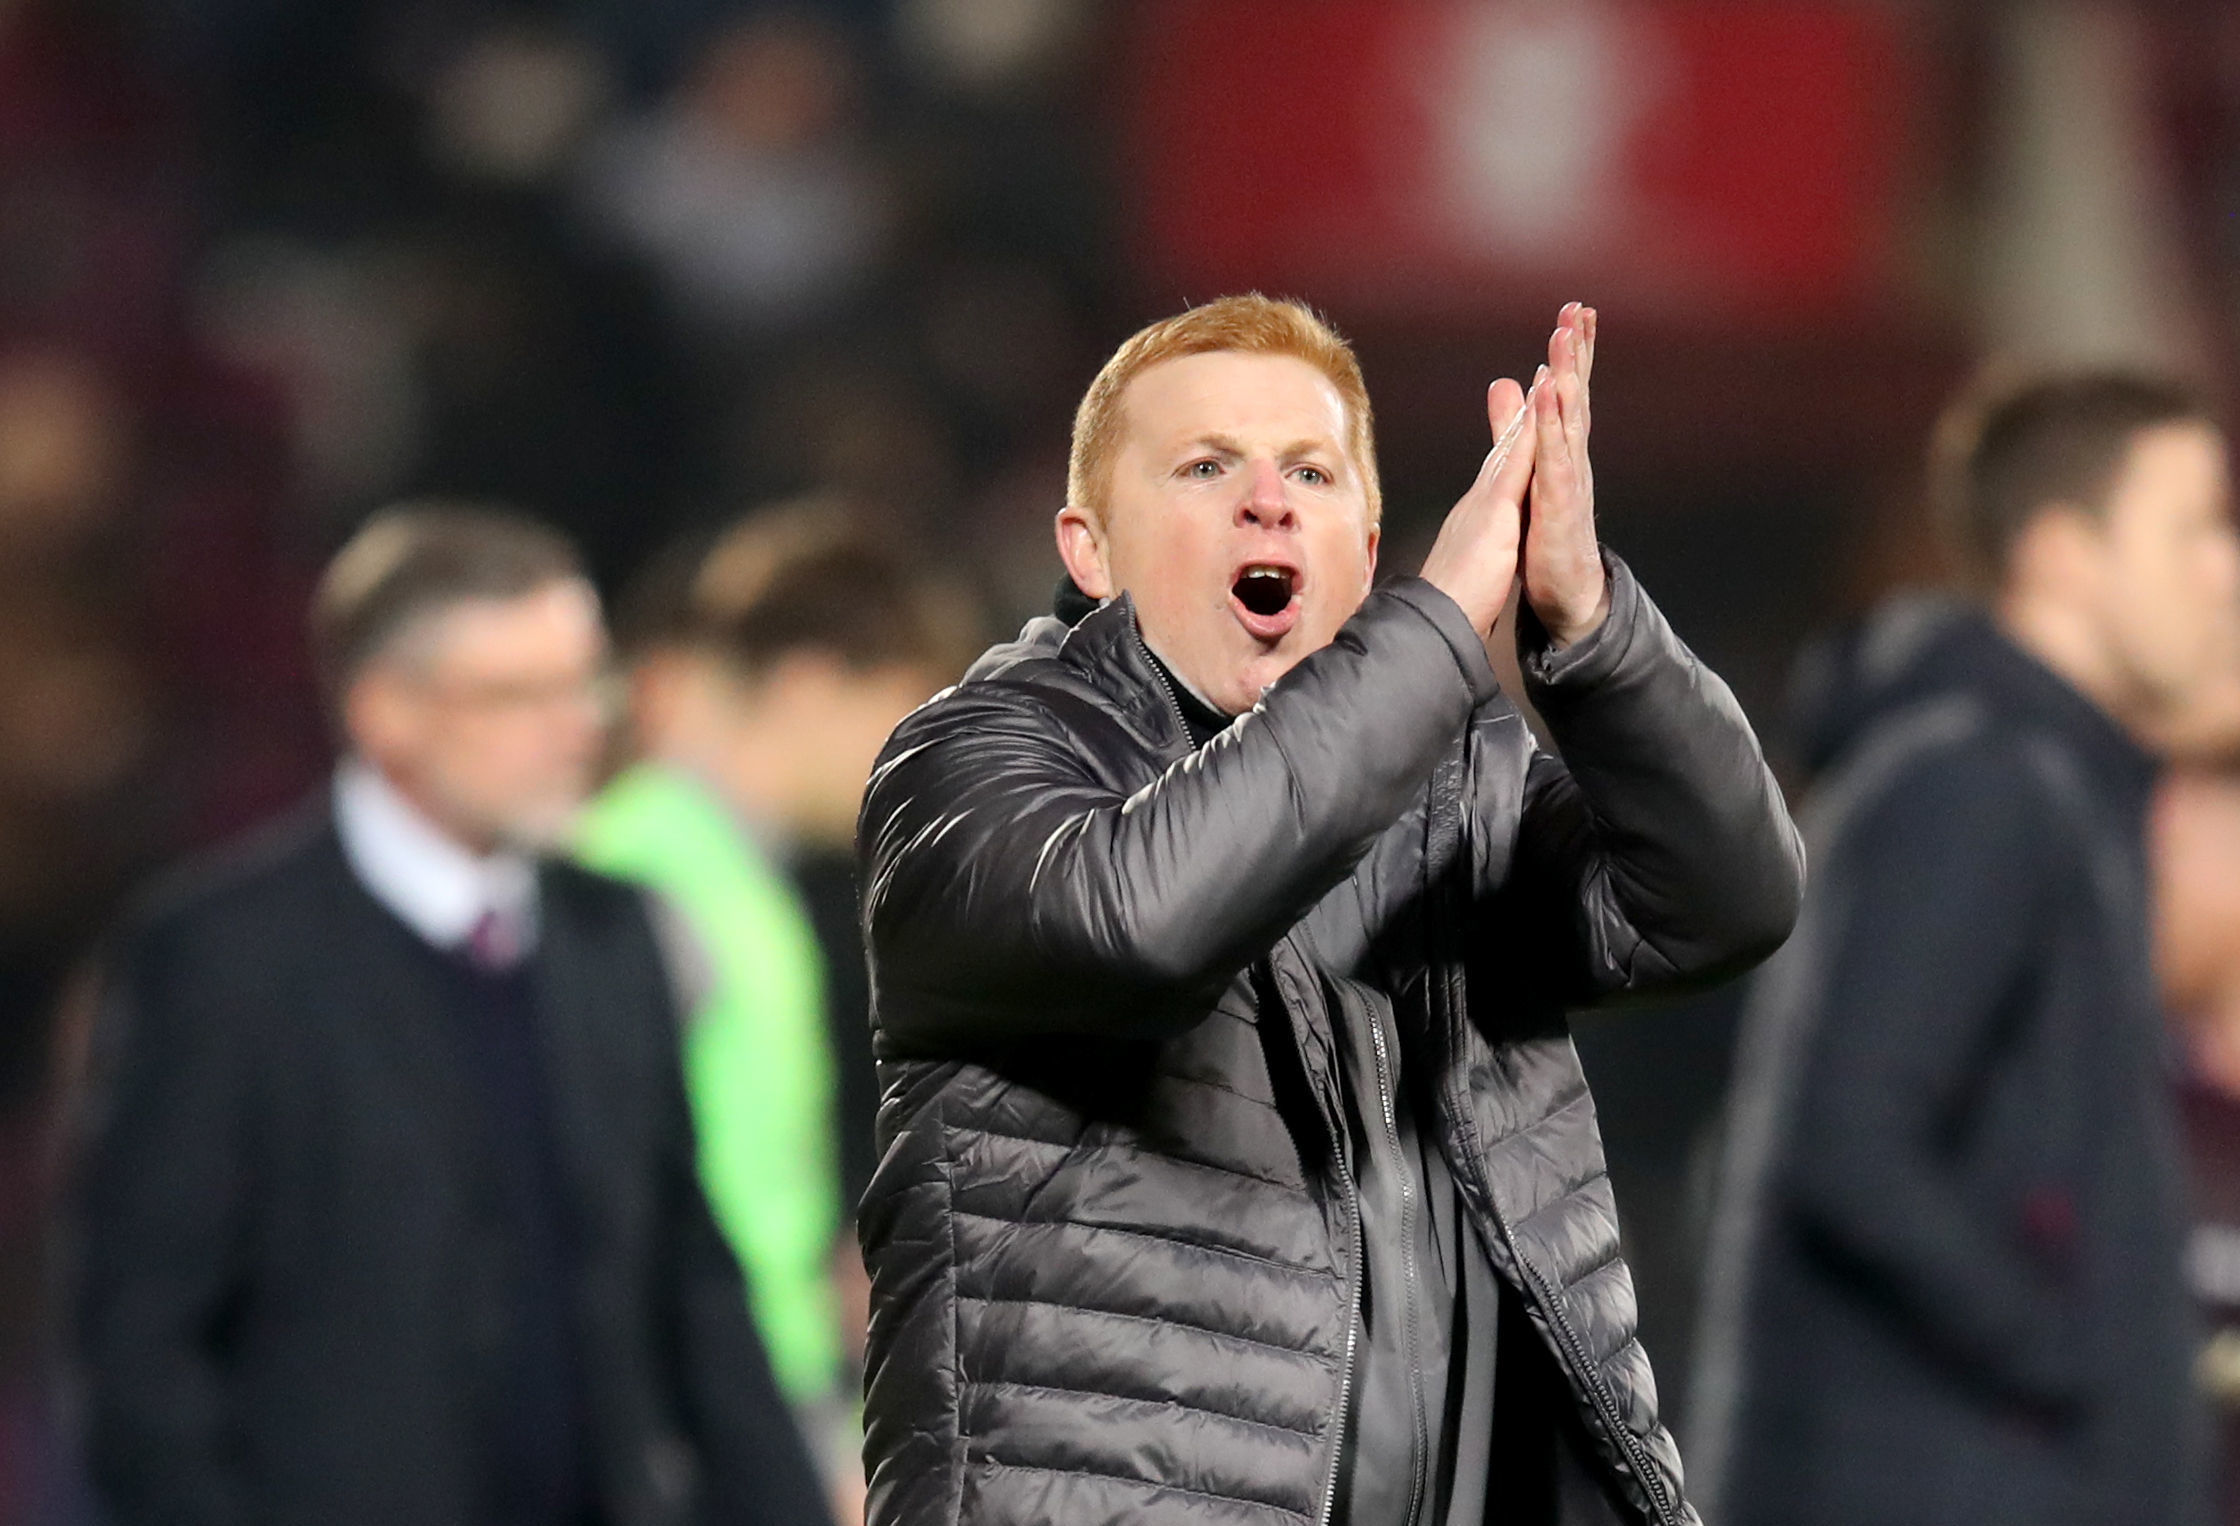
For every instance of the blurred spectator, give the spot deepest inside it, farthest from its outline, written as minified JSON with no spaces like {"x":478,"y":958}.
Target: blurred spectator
{"x":2196,"y":844}
{"x":749,"y":189}
{"x":389,"y":1211}
{"x":763,"y":684}
{"x":849,"y":632}
{"x":133,"y":484}
{"x":991,"y":49}
{"x":74,"y":718}
{"x":1947,"y":1282}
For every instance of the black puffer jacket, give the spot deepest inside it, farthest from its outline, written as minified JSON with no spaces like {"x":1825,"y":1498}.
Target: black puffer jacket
{"x":1112,"y":1240}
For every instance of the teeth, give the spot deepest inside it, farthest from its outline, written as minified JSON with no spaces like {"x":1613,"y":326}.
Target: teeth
{"x":1265,"y":590}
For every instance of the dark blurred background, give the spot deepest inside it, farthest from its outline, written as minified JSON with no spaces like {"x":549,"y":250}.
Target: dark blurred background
{"x":637,"y":265}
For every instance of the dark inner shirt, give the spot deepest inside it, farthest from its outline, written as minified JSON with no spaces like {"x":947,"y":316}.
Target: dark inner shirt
{"x":1416,"y":1315}
{"x":1419,"y":1421}
{"x":534,"y":1440}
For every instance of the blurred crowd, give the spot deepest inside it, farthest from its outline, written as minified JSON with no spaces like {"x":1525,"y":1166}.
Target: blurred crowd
{"x":633,"y":268}
{"x":636,"y":267}
{"x":776,"y":316}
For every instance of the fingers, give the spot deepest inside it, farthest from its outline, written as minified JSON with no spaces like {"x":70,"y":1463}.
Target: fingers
{"x":1571,"y":363}
{"x":1561,"y":566}
{"x":1554,"y":443}
{"x":1508,"y":412}
{"x":1571,"y":406}
{"x":1474,"y":559}
{"x":1504,"y":399}
{"x":1514,"y":454}
{"x":1578,"y":320}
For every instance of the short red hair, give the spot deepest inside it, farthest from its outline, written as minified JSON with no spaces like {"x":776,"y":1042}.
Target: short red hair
{"x":1250,"y":324}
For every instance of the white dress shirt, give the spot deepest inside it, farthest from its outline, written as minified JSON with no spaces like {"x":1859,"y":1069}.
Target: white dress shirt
{"x":438,"y":888}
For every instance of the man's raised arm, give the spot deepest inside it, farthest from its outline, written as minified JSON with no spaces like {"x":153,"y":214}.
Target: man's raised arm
{"x":1008,"y":891}
{"x":1658,"y":850}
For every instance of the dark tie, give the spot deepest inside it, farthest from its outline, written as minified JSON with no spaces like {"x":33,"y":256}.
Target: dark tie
{"x":494,"y":944}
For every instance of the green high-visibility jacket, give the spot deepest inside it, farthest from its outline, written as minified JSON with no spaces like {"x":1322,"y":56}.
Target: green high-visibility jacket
{"x":758,"y":1066}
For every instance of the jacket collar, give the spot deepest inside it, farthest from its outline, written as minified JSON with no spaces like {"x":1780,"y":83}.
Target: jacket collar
{"x":2124,"y":772}
{"x":1106,"y":650}
{"x":1918,"y":648}
{"x":435,"y":886}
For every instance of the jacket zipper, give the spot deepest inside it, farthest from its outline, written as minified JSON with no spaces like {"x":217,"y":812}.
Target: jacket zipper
{"x":1353,"y":1292}
{"x":1174,"y":705}
{"x":1345,"y":1176}
{"x":1419,"y":1426}
{"x":1345,"y":1378}
{"x":1574,"y":1349}
{"x":1605,"y":1402}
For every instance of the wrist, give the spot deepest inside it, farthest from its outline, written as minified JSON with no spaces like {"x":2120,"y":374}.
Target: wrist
{"x":1565,"y":628}
{"x":1474,"y":607}
{"x":1588,"y":660}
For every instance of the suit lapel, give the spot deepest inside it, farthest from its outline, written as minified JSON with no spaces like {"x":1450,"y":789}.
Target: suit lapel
{"x":571,"y":977}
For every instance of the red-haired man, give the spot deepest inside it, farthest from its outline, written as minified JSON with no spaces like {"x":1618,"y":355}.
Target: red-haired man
{"x":1237,"y":1166}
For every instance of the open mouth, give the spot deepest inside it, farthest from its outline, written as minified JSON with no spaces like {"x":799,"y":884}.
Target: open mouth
{"x":1265,"y":590}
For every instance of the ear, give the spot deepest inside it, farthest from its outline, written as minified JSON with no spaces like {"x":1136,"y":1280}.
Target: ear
{"x":657,"y":684}
{"x":1369,"y":573}
{"x":2060,"y":552}
{"x":377,"y":714}
{"x":1081,"y":547}
{"x":807,"y":679}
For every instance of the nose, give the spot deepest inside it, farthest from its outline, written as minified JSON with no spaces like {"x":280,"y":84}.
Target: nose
{"x":1265,"y":506}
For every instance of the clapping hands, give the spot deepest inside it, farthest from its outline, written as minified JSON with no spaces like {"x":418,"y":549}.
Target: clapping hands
{"x":1531,"y":510}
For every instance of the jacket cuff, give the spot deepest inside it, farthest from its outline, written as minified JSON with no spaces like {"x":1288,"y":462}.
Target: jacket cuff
{"x":1586,"y":662}
{"x":1454,"y":627}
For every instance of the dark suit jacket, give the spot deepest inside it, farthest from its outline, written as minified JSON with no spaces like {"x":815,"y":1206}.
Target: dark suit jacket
{"x":1947,"y":1285}
{"x":291,"y":1290}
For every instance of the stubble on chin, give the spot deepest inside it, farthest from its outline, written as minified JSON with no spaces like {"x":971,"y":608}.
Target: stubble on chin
{"x":542,"y":829}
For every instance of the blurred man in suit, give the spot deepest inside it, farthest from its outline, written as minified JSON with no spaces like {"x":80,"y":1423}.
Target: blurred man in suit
{"x":1946,"y":1283}
{"x":390,"y":1212}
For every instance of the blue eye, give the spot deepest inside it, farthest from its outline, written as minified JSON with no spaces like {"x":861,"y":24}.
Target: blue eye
{"x":1314,"y":476}
{"x":1205,"y":471}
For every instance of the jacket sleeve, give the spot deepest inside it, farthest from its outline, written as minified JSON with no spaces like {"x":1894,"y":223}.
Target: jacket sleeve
{"x":1008,"y":892}
{"x":753,"y":1461}
{"x":1919,"y":929}
{"x":1657,"y":850}
{"x":163,"y":1217}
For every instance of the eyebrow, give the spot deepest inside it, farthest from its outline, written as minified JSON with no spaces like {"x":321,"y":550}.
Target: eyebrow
{"x":1218,"y":444}
{"x":1223,"y":445}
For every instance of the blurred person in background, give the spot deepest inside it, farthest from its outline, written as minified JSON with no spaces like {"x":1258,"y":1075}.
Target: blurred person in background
{"x":759,"y":701}
{"x":750,"y":188}
{"x":1237,"y":1161}
{"x":1946,"y":1279}
{"x":2196,"y":841}
{"x":389,"y":1210}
